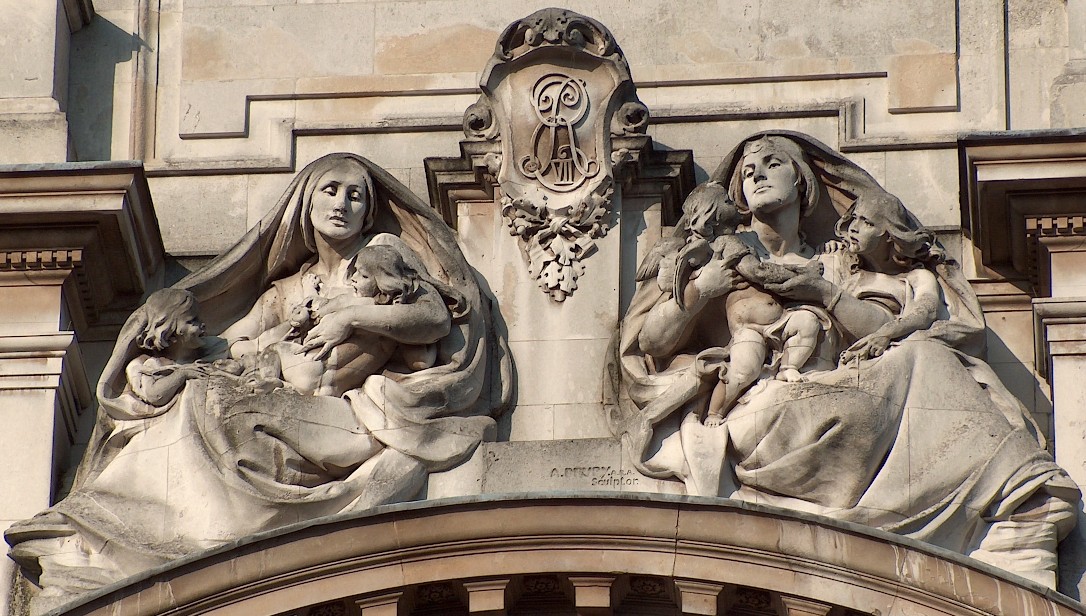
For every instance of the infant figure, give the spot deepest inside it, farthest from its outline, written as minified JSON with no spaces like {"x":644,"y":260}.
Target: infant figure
{"x":756,"y":319}
{"x":378,"y":275}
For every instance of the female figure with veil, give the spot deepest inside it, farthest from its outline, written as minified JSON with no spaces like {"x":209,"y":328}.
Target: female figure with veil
{"x":222,"y":460}
{"x":845,"y":442}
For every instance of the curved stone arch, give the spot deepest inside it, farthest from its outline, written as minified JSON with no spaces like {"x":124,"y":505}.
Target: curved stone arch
{"x":706,"y":548}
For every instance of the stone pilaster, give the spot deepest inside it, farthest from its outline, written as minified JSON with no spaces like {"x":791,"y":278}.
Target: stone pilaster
{"x":79,"y":247}
{"x":34,"y":84}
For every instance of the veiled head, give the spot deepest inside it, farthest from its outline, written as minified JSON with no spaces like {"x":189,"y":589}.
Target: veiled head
{"x":773,"y":173}
{"x":339,"y":201}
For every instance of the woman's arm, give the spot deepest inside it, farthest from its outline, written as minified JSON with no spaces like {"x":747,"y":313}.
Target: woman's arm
{"x":423,"y":321}
{"x":857,"y":317}
{"x":920,"y":311}
{"x":921,"y":307}
{"x":666,"y":324}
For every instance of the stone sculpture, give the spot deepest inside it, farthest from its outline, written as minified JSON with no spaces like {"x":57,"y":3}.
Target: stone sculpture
{"x":553,"y":94}
{"x":894,"y":421}
{"x":354,"y":359}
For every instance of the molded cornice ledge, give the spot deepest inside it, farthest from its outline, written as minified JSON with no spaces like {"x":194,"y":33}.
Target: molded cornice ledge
{"x":707,"y":551}
{"x":1059,"y":328}
{"x":89,"y":228}
{"x":1019,"y":190}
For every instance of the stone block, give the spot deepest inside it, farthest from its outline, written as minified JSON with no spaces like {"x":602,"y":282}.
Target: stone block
{"x":1033,"y":72}
{"x":389,"y":150}
{"x":595,"y":464}
{"x":30,"y":47}
{"x":227,"y":43}
{"x":218,"y":107}
{"x":435,"y":37}
{"x":922,"y":83}
{"x":28,"y":482}
{"x":200,"y":215}
{"x":553,"y":466}
{"x":573,"y":421}
{"x":262,"y":192}
{"x":1039,"y":24}
{"x":100,"y":98}
{"x":926,"y":181}
{"x":33,"y":138}
{"x":527,"y":422}
{"x":561,"y":371}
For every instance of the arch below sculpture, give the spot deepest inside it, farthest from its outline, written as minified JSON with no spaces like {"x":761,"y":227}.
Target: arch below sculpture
{"x":702,"y":547}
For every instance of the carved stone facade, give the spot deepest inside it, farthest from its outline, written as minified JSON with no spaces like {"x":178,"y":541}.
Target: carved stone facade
{"x":701,"y":324}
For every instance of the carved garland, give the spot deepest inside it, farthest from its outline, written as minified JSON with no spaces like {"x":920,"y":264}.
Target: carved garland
{"x":555,"y":242}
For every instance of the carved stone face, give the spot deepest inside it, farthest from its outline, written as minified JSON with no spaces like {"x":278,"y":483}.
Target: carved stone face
{"x":863,"y":236}
{"x":770,"y":182}
{"x":340,"y":204}
{"x":365,"y":285}
{"x":190,"y":330}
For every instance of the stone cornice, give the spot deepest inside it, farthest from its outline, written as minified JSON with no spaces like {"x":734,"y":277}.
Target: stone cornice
{"x":88,"y":226}
{"x":702,"y":546}
{"x":1017,"y":190}
{"x":1059,"y":328}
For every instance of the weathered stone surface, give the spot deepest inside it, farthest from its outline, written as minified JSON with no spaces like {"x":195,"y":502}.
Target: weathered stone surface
{"x":226,"y":99}
{"x":532,"y":548}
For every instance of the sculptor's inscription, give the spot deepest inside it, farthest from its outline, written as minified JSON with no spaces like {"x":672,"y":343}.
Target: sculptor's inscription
{"x":597,"y":476}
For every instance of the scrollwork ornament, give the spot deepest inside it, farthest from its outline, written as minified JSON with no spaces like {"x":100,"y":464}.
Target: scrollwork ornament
{"x":555,"y":26}
{"x":556,"y":160}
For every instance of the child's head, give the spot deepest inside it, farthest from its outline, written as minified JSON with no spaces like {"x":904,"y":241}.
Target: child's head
{"x":882,"y":219}
{"x":170,"y":313}
{"x":380,"y":272}
{"x":709,"y":211}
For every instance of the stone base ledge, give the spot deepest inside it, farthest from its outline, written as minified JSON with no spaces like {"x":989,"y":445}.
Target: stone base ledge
{"x":399,"y":548}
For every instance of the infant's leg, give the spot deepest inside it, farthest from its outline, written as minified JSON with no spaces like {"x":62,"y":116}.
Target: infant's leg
{"x":800,"y":337}
{"x":747,"y":356}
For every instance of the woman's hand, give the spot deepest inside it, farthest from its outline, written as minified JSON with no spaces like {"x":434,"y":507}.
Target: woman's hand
{"x":868,"y":347}
{"x":332,"y":329}
{"x":805,"y":286}
{"x":715,"y":278}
